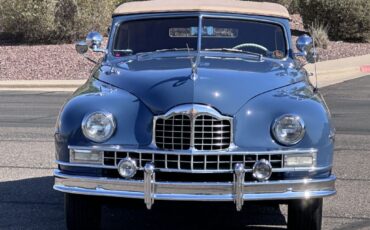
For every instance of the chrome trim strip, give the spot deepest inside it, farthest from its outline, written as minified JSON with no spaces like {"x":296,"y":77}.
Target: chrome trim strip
{"x":269,"y":190}
{"x":68,"y":164}
{"x":119,"y":148}
{"x":202,"y":153}
{"x":298,"y":169}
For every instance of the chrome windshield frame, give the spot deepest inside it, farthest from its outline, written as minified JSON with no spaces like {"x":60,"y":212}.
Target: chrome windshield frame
{"x":200,"y":16}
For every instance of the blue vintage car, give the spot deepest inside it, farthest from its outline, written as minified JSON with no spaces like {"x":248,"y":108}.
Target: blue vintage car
{"x":196,"y":101}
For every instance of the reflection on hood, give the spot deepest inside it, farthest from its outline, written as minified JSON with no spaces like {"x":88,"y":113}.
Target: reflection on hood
{"x":223,"y":83}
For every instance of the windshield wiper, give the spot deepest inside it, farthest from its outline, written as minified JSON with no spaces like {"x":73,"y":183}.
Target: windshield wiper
{"x":125,"y":51}
{"x":174,"y":49}
{"x":231,"y":50}
{"x":164,"y":50}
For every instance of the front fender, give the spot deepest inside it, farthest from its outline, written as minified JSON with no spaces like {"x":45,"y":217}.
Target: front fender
{"x":254,"y":120}
{"x":132,"y":117}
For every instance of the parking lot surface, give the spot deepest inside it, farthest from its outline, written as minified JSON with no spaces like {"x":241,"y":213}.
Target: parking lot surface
{"x":27,"y":200}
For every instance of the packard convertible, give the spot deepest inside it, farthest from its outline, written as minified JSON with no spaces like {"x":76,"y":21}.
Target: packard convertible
{"x":197,"y":100}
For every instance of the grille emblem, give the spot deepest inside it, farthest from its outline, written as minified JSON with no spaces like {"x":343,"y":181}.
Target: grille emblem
{"x":193,"y":112}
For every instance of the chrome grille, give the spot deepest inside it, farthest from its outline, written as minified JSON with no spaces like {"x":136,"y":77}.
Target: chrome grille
{"x":192,"y":163}
{"x":211,"y":133}
{"x":173,"y":132}
{"x":188,"y":130}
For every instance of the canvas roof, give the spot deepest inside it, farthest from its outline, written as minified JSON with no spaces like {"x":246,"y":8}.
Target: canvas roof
{"x":223,"y":6}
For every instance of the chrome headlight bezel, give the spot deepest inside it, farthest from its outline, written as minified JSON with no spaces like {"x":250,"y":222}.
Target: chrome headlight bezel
{"x":85,"y":124}
{"x":284,"y":141}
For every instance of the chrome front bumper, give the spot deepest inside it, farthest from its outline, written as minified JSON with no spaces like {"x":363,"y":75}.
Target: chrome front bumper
{"x":237,"y":191}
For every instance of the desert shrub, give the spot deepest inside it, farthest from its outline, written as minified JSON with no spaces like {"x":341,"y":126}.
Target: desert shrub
{"x":54,"y":21}
{"x":66,"y":20}
{"x":346,"y":20}
{"x":294,"y":7}
{"x":28,"y":20}
{"x":75,"y":18}
{"x":320,"y":34}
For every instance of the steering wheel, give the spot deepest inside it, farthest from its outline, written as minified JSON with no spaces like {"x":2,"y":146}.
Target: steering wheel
{"x":254,"y":45}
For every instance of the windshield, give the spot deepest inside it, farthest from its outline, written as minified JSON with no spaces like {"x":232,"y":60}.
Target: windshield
{"x":262,"y":38}
{"x":181,"y":34}
{"x":154,"y":34}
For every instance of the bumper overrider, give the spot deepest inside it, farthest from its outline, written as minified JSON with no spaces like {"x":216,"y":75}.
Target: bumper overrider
{"x":237,"y":191}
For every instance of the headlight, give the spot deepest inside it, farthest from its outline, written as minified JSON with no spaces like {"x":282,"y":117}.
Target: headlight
{"x":98,"y":126}
{"x":288,"y":129}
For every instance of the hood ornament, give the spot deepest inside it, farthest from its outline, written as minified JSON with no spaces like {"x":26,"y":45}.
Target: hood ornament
{"x":194,"y":65}
{"x":194,"y":72}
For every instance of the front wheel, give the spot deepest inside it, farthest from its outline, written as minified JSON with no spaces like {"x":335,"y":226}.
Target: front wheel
{"x":82,"y":212}
{"x":305,"y":214}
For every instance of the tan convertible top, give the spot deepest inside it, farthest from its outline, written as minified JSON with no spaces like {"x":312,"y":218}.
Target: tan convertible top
{"x":224,"y":6}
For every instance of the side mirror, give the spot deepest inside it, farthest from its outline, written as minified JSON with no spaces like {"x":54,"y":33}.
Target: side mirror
{"x":94,"y":41}
{"x":306,"y":47}
{"x":81,"y":47}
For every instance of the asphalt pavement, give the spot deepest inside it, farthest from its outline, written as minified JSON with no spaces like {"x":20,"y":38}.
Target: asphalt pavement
{"x":27,"y":200}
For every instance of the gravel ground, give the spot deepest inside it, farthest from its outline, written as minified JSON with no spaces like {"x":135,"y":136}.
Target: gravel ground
{"x":336,"y":49}
{"x":39,"y":62}
{"x":61,"y":62}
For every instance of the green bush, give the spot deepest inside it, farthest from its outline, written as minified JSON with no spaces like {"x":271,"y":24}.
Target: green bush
{"x":54,"y":21}
{"x":75,"y":18}
{"x":28,"y":20}
{"x":346,"y":20}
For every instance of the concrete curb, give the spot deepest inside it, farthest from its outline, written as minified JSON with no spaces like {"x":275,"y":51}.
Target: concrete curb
{"x":42,"y":85}
{"x":328,"y":73}
{"x":340,"y":70}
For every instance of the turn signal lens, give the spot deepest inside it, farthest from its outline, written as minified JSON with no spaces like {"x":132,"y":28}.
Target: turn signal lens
{"x":299,"y":160}
{"x":85,"y":156}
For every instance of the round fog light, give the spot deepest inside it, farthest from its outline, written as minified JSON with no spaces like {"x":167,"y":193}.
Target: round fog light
{"x":262,"y":170}
{"x":127,"y":167}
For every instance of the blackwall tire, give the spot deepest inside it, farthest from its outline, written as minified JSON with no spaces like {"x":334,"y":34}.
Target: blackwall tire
{"x":82,"y":212}
{"x":305,"y":214}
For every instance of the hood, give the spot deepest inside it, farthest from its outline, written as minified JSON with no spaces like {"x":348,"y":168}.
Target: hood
{"x":223,"y":83}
